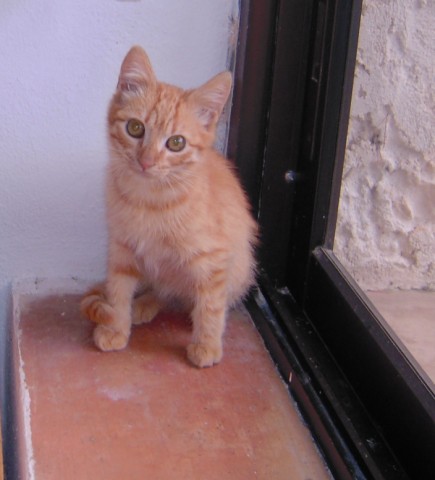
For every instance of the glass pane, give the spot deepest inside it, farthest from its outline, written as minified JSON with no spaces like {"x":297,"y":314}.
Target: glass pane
{"x":386,"y":227}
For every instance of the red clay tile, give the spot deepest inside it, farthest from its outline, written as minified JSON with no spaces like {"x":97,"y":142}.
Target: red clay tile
{"x":145,"y":412}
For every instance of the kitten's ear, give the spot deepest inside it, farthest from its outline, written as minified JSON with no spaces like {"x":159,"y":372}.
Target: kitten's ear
{"x":209,"y":100}
{"x":136,"y":72}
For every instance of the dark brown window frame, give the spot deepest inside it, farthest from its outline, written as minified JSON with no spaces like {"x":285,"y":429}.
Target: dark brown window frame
{"x":369,"y":405}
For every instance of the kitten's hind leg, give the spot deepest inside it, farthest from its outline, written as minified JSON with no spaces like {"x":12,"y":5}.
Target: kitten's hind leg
{"x":145,"y":307}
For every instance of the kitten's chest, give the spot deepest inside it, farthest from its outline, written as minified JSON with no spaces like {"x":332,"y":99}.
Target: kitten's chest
{"x":158,"y":239}
{"x":164,"y":239}
{"x":164,"y":258}
{"x":159,"y":261}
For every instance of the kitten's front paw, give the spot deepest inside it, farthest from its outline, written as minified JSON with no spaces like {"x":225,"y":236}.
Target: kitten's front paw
{"x":107,"y":339}
{"x":203,"y":355}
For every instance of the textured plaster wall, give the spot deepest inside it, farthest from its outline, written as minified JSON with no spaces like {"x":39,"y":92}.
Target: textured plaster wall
{"x":386,"y":228}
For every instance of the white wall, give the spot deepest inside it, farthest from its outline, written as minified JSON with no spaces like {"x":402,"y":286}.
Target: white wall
{"x":59,"y":63}
{"x":386,"y":227}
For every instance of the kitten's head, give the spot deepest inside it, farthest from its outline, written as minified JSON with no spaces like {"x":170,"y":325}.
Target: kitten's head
{"x":157,"y":129}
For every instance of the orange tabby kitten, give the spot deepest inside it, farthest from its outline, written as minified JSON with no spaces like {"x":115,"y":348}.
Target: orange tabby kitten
{"x":179,"y":222}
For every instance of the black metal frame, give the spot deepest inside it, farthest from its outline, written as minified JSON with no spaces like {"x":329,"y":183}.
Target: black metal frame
{"x":369,"y":405}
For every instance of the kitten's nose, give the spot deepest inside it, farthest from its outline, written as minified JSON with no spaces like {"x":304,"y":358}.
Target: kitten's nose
{"x":146,"y":163}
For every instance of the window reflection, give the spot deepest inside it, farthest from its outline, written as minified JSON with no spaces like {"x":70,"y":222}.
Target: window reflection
{"x":386,"y":224}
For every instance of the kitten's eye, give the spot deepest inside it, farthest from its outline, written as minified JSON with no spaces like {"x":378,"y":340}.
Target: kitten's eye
{"x":176,"y":143}
{"x":135,"y":128}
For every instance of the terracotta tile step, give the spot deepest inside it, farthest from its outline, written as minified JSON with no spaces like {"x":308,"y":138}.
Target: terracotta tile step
{"x":145,"y":412}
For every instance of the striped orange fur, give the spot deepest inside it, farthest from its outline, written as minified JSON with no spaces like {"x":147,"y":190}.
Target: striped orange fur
{"x":178,"y":220}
